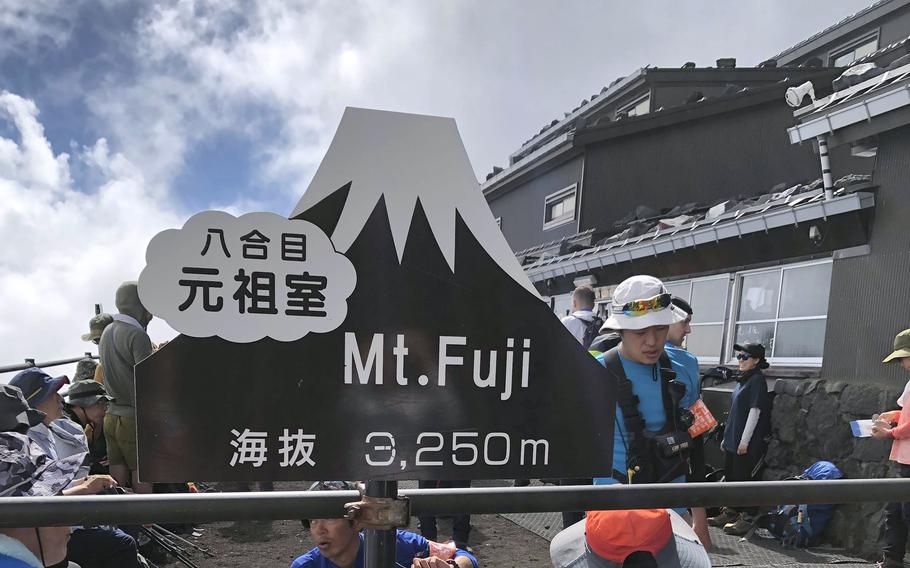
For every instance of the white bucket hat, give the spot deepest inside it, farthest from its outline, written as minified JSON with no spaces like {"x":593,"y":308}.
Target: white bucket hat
{"x":642,"y":287}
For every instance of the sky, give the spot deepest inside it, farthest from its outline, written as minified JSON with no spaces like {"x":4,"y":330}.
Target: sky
{"x":119,"y":118}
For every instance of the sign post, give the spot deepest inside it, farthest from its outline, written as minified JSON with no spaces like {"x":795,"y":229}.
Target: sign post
{"x":384,"y":332}
{"x":380,"y":544}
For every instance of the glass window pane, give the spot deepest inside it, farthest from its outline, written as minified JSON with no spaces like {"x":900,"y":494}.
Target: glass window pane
{"x":806,"y":291}
{"x":800,"y":338}
{"x":865,"y":49}
{"x":756,"y":333}
{"x":561,"y":209}
{"x":705,"y":340}
{"x":709,"y":300}
{"x":758,"y":298}
{"x":845,"y":59}
{"x":679,"y":289}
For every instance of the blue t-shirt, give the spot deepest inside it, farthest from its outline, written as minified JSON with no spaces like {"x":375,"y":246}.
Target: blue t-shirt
{"x":409,"y":546}
{"x":645,"y":381}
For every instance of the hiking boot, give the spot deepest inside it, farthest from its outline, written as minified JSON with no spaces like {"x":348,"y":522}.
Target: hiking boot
{"x":739,"y":527}
{"x":727,"y":515}
{"x":889,"y":563}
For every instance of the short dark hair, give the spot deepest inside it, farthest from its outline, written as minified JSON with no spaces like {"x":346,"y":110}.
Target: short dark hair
{"x":584,"y":296}
{"x":329,"y":486}
{"x":682,"y":304}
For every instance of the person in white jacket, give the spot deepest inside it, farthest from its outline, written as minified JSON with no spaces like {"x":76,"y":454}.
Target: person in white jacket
{"x":582,"y":319}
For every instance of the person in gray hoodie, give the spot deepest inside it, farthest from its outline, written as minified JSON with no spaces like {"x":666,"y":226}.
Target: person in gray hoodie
{"x":123,"y":344}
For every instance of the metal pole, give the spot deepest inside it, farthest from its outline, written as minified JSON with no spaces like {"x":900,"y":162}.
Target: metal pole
{"x":29,"y":363}
{"x":216,"y":507}
{"x":826,"y":167}
{"x":379,"y":546}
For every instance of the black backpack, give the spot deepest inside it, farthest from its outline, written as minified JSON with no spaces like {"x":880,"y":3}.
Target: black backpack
{"x":591,"y":331}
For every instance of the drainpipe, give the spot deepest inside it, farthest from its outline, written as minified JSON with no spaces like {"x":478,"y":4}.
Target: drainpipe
{"x":826,"y":167}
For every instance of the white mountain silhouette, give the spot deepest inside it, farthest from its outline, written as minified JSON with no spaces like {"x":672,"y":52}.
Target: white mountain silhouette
{"x":404,"y":157}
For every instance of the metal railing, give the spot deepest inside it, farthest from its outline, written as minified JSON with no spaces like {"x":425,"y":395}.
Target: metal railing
{"x":29,"y":363}
{"x":208,"y":507}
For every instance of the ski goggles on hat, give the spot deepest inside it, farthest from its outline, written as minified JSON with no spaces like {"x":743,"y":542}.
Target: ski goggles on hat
{"x":642,"y":307}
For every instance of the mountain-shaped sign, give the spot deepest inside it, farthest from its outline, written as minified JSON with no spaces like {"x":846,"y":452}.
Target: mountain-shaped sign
{"x":447,"y":364}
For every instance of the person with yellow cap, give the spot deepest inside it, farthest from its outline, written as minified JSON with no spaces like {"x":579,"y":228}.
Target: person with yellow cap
{"x":895,"y":425}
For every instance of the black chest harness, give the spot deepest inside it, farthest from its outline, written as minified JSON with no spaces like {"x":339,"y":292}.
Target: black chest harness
{"x":652,"y":457}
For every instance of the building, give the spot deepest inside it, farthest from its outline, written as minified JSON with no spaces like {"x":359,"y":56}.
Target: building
{"x":689,"y":174}
{"x":884,"y":23}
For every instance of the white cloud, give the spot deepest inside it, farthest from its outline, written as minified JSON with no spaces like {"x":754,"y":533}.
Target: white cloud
{"x":27,"y":24}
{"x":65,"y":250}
{"x":500,"y":69}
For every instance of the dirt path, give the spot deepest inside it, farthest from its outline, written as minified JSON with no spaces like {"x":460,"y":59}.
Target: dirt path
{"x":495,"y":541}
{"x":266,"y":544}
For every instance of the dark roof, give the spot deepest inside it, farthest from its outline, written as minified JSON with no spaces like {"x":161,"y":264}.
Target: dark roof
{"x":840,"y":24}
{"x":705,"y":106}
{"x":643,"y":223}
{"x":704,"y":76}
{"x":554,"y":243}
{"x":875,"y":92}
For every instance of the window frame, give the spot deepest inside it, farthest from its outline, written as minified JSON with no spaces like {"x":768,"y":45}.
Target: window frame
{"x":723,"y":323}
{"x":733,"y":314}
{"x":560,"y":195}
{"x":844,"y":48}
{"x":629,"y":106}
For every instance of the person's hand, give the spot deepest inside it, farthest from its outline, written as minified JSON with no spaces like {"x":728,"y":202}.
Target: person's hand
{"x":875,"y":417}
{"x":742,"y":449}
{"x":881,"y":430}
{"x":95,"y":484}
{"x":431,"y":562}
{"x":91,"y":485}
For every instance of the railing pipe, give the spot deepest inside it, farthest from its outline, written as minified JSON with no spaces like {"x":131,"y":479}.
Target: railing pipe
{"x":209,"y":507}
{"x":29,"y":363}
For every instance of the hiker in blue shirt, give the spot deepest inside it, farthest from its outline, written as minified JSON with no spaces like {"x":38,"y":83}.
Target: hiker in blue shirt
{"x":339,"y":544}
{"x":642,"y":312}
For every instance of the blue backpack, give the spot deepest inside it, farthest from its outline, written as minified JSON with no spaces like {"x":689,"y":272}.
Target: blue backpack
{"x":802,"y":525}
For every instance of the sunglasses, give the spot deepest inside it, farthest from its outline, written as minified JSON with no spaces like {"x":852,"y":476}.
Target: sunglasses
{"x":743,"y":356}
{"x":642,"y":307}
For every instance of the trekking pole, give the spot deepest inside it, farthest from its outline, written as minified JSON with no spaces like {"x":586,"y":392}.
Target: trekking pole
{"x":157,"y":539}
{"x":167,"y":539}
{"x":183,"y":540}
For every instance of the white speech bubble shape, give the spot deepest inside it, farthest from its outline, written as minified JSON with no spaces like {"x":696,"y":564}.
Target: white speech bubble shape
{"x":246,"y":278}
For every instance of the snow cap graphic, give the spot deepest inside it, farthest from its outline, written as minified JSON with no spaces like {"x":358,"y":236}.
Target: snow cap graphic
{"x":403,"y":157}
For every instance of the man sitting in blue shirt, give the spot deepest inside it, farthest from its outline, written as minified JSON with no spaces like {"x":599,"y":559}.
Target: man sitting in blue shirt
{"x":339,"y":544}
{"x":642,"y":313}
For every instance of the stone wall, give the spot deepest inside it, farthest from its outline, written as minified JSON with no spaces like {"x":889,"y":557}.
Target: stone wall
{"x":810,"y":421}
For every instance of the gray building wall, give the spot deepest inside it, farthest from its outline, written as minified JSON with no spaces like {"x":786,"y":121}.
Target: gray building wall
{"x":522,"y":208}
{"x":869,"y":294}
{"x":740,"y":152}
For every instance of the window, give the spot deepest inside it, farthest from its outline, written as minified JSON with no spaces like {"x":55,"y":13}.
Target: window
{"x":637,"y":108}
{"x":785,"y":309}
{"x":708,"y":298}
{"x":559,"y":208}
{"x":561,"y":305}
{"x":844,"y":56}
